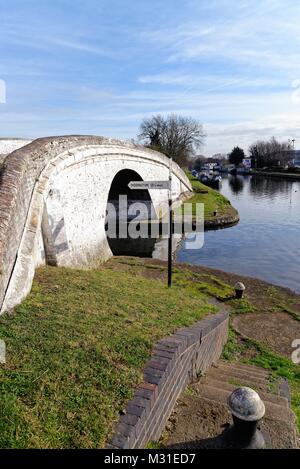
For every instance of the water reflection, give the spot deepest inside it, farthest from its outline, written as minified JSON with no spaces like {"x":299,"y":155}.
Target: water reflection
{"x":268,"y":186}
{"x":266,"y":242}
{"x":236,"y":183}
{"x":156,"y":248}
{"x":132,"y":247}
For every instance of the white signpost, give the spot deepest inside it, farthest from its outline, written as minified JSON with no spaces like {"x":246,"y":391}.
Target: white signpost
{"x":135,"y":185}
{"x":149,"y":185}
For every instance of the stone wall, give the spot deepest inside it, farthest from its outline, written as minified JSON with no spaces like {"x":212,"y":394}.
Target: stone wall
{"x":176,"y":361}
{"x":64,"y":182}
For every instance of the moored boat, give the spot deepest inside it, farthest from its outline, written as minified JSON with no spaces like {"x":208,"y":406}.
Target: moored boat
{"x":214,"y":180}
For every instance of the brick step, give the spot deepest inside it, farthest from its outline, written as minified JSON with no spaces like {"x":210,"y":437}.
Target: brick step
{"x":273,"y":411}
{"x":238,"y":378}
{"x":253,"y":370}
{"x":239,"y":374}
{"x":265,"y":396}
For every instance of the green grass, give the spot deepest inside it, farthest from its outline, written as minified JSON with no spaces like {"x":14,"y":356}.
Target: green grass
{"x":237,"y":383}
{"x":76,"y":348}
{"x":155,"y":445}
{"x":213,"y":287}
{"x":212,"y":200}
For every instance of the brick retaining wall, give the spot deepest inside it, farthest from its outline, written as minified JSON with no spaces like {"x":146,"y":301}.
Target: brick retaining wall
{"x":175,"y":362}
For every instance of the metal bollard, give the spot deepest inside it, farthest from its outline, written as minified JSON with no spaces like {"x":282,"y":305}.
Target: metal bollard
{"x":239,"y":290}
{"x":247,"y":410}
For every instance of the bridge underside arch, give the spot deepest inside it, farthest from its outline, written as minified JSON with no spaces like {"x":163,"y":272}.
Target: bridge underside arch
{"x":121,"y":194}
{"x":120,"y":186}
{"x":125,"y":205}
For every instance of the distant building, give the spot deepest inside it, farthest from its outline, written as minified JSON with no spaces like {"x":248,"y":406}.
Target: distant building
{"x":247,"y":163}
{"x":296,"y":159}
{"x":209,"y":166}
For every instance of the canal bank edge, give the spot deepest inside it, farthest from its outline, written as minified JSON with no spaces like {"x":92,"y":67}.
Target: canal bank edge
{"x":274,"y":174}
{"x":223,"y":221}
{"x":218,"y":211}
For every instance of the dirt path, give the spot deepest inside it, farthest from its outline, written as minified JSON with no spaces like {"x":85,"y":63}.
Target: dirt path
{"x":275,"y":330}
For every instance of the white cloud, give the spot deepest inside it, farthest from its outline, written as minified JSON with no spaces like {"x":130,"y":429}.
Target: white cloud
{"x":2,"y":92}
{"x":264,"y":33}
{"x":235,"y":66}
{"x":168,"y":79}
{"x":210,"y":82}
{"x":81,"y":47}
{"x":229,"y":119}
{"x":38,"y":37}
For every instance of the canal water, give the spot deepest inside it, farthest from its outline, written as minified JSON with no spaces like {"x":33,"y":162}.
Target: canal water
{"x":266,"y":242}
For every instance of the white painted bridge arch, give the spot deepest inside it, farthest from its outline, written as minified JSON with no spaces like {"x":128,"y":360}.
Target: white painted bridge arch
{"x":62,"y":220}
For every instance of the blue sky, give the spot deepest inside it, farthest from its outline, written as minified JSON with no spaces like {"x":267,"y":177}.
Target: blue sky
{"x":99,"y":67}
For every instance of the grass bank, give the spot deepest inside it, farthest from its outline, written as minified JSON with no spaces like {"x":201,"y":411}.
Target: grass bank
{"x":217,"y":208}
{"x":76,"y":347}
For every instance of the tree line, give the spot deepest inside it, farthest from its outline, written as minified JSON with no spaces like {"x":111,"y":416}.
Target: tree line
{"x":264,"y":153}
{"x":180,"y":137}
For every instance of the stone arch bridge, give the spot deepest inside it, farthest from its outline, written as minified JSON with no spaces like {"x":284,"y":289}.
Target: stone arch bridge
{"x":53,"y":197}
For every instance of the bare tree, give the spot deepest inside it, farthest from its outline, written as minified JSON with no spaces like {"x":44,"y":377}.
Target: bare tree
{"x":270,"y":153}
{"x":176,"y":136}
